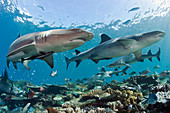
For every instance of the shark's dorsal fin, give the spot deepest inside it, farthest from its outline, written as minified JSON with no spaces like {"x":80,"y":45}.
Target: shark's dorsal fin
{"x":49,"y":60}
{"x":138,"y":55}
{"x":116,"y":69}
{"x":104,"y":38}
{"x":19,"y":35}
{"x":126,"y":42}
{"x":103,"y":69}
{"x":5,"y":76}
{"x":149,"y":53}
{"x":77,"y":52}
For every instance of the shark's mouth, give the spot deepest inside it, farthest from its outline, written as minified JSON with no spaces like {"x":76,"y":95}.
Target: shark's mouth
{"x":80,"y":39}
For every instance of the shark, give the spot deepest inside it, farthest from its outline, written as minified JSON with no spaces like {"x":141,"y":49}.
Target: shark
{"x":121,"y":46}
{"x":6,"y":85}
{"x":130,"y":59}
{"x":103,"y":74}
{"x":42,"y":45}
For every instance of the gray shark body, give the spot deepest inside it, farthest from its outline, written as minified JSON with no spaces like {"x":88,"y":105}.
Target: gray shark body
{"x":6,"y":84}
{"x":41,"y":45}
{"x":110,"y":48}
{"x":130,"y":59}
{"x":103,"y":74}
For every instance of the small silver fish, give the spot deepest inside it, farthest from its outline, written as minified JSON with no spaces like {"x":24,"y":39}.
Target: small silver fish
{"x":53,"y":73}
{"x":156,"y":67}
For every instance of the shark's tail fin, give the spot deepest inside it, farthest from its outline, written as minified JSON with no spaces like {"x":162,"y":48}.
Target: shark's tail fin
{"x":158,"y":54}
{"x":125,"y":69}
{"x":150,"y":54}
{"x":69,"y":60}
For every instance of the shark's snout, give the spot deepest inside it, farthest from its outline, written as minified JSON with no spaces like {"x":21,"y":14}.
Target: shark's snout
{"x":162,"y":34}
{"x":89,"y":36}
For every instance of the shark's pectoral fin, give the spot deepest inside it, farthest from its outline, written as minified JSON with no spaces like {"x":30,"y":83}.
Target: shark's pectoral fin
{"x":25,"y":63}
{"x":15,"y":65}
{"x":49,"y":60}
{"x":128,"y":65}
{"x":8,"y":61}
{"x":127,"y":42}
{"x":138,"y":55}
{"x":150,"y":59}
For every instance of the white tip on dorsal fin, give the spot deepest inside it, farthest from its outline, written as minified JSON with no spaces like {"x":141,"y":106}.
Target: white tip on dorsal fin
{"x":126,"y":42}
{"x":25,"y":63}
{"x":49,"y":60}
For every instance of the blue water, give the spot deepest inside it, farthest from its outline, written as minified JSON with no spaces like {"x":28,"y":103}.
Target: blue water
{"x":109,"y":17}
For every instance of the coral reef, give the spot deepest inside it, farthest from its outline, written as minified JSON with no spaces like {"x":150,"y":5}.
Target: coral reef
{"x":129,"y":96}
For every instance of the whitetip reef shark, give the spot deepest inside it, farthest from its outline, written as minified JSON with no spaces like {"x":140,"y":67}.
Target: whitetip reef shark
{"x":42,"y":45}
{"x":6,"y":85}
{"x":103,"y":74}
{"x":110,"y":48}
{"x":130,"y":59}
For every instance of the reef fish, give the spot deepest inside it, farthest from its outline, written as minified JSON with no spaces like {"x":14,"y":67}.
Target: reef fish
{"x":152,"y":99}
{"x":130,"y":59}
{"x":110,"y":48}
{"x":134,"y":9}
{"x":156,"y":67}
{"x":42,"y":45}
{"x":132,"y":73}
{"x":144,"y":72}
{"x":166,"y":72}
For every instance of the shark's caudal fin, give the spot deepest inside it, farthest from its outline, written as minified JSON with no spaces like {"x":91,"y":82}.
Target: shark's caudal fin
{"x":158,"y":54}
{"x":149,"y":54}
{"x":125,"y":69}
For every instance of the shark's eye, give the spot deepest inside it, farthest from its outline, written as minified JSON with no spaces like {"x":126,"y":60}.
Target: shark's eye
{"x":79,"y":30}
